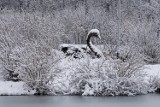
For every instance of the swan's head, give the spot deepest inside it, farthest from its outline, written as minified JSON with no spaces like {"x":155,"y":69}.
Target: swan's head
{"x":94,"y":33}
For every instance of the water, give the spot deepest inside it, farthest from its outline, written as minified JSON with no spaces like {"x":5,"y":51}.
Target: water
{"x":150,"y":100}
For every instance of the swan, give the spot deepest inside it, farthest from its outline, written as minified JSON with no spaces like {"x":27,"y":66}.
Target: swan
{"x":80,"y":51}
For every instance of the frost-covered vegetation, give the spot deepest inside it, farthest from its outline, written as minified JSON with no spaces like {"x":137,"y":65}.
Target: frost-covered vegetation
{"x":99,"y":77}
{"x":110,"y":77}
{"x":31,"y":32}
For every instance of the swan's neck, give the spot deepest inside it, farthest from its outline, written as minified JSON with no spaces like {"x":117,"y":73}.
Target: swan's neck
{"x":90,"y":44}
{"x":96,"y":51}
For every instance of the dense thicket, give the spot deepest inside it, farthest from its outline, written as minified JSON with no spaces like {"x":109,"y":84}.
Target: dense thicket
{"x":133,"y":23}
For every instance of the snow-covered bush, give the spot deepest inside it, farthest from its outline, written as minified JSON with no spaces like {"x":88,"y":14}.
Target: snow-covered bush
{"x":154,"y":82}
{"x":152,"y":52}
{"x":130,"y":61}
{"x":37,"y":77}
{"x":19,"y":30}
{"x":95,"y":77}
{"x":35,"y":65}
{"x":38,"y":70}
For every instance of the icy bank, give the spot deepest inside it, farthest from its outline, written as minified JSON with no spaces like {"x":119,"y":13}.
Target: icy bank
{"x":13,"y":88}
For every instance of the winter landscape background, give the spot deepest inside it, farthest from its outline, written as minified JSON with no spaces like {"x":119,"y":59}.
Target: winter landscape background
{"x":33,"y":31}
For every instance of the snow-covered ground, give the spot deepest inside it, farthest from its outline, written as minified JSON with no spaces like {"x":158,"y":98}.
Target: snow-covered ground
{"x":13,"y":88}
{"x":152,"y":70}
{"x":17,"y":88}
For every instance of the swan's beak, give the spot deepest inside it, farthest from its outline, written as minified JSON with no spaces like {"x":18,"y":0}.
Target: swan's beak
{"x":99,"y":37}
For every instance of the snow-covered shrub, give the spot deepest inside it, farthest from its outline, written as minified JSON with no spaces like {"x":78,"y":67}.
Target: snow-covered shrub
{"x":154,"y":82}
{"x":95,"y":77}
{"x":35,"y":66}
{"x":7,"y":64}
{"x":109,"y":51}
{"x":127,"y":60}
{"x":152,"y":53}
{"x":149,"y":47}
{"x":39,"y":72}
{"x":19,"y":30}
{"x":37,"y":77}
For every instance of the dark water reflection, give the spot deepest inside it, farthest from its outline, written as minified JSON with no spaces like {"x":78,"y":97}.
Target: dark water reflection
{"x":150,"y":100}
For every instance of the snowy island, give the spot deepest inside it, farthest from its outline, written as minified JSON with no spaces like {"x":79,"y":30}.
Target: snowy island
{"x":78,"y":70}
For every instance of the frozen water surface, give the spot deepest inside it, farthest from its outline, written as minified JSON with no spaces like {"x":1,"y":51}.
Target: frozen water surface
{"x":150,"y":100}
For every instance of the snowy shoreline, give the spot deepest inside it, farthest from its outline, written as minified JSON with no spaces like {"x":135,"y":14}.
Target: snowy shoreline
{"x":9,"y":88}
{"x":13,"y":88}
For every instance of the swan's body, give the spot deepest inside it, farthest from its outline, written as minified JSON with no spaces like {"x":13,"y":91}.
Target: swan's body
{"x":80,"y":51}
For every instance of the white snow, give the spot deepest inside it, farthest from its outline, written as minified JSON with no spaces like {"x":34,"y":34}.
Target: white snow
{"x":73,"y":45}
{"x":13,"y":88}
{"x":63,"y":83}
{"x":94,"y":31}
{"x":152,"y":70}
{"x":88,"y":91}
